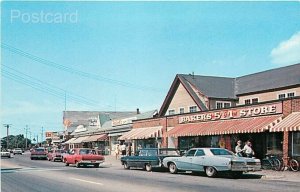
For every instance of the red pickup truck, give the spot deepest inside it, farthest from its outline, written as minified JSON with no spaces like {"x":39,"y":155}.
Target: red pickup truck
{"x":83,"y":156}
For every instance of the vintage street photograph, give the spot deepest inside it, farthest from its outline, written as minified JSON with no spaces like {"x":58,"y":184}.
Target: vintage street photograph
{"x":150,"y":96}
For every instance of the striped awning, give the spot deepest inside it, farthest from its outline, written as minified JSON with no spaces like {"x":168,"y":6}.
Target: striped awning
{"x":289,"y":123}
{"x":80,"y":139}
{"x":142,"y":133}
{"x":70,"y":141}
{"x":223,"y":127}
{"x":93,"y":138}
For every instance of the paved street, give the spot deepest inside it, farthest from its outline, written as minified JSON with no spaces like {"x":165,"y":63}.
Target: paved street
{"x":22,"y":174}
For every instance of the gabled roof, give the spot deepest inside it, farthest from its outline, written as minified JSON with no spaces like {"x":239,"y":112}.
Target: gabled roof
{"x":213,"y":87}
{"x":230,"y":88}
{"x":268,"y":80}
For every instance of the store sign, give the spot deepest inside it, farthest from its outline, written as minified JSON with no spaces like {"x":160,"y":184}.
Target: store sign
{"x":117,"y":122}
{"x":253,"y":111}
{"x":94,"y":121}
{"x":49,"y":134}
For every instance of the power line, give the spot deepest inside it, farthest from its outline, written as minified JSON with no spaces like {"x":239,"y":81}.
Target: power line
{"x":43,"y":86}
{"x":75,"y":71}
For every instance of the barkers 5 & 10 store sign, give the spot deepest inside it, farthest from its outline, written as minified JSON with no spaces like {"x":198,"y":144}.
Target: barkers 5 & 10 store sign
{"x":260,"y":110}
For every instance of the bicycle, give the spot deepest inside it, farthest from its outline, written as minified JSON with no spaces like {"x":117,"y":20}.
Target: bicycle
{"x":271,"y":162}
{"x":292,"y":165}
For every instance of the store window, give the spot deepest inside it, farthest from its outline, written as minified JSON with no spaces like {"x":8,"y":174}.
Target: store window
{"x":219,"y":105}
{"x":193,"y":109}
{"x":227,"y":105}
{"x":247,"y":101}
{"x":274,"y":143}
{"x":296,"y":144}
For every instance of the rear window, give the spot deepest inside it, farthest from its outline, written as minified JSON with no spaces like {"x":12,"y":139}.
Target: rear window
{"x":39,"y":150}
{"x":86,"y":151}
{"x":221,"y":152}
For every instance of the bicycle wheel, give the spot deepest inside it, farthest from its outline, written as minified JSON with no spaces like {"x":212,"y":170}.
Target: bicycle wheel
{"x":277,"y":165}
{"x":294,"y":165}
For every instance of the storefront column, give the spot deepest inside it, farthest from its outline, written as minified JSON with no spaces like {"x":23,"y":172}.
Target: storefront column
{"x":285,"y":146}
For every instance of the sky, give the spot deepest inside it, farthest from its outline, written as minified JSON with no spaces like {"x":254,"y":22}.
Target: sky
{"x":119,"y":56}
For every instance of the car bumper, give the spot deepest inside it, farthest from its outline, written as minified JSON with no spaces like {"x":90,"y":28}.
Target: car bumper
{"x":246,"y":168}
{"x":91,"y":161}
{"x":38,"y":156}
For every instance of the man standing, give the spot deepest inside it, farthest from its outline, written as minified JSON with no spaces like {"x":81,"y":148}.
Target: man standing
{"x":248,"y":149}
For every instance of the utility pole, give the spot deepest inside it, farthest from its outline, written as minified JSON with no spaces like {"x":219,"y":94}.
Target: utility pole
{"x":26,"y":129}
{"x":42,"y":134}
{"x":7,"y":133}
{"x":37,"y":139}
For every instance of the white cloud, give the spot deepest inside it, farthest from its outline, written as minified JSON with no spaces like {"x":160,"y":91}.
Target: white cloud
{"x":288,"y":51}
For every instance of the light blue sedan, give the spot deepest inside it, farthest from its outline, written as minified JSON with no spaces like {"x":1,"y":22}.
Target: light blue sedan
{"x":211,"y":161}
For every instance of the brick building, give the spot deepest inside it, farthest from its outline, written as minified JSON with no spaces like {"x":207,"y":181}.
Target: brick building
{"x":206,"y":111}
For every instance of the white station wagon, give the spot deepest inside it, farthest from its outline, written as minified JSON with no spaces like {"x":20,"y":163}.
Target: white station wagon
{"x":211,"y":161}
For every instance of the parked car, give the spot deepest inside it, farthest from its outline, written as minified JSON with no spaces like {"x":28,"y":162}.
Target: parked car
{"x":17,"y":151}
{"x":5,"y":153}
{"x":211,"y":161}
{"x":55,"y":155}
{"x":83,"y":156}
{"x":148,"y":158}
{"x":38,"y":153}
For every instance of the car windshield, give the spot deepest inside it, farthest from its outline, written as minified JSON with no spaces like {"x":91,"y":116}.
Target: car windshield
{"x":221,"y":152}
{"x":86,"y":151}
{"x":169,"y":152}
{"x":39,"y":150}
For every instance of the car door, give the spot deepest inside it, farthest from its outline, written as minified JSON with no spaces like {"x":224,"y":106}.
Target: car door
{"x":185,"y":162}
{"x":198,"y":160}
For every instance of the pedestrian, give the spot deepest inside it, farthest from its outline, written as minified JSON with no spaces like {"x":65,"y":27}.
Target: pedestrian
{"x":248,"y":149}
{"x":123,"y":149}
{"x":238,"y":149}
{"x":117,"y":151}
{"x":139,"y":147}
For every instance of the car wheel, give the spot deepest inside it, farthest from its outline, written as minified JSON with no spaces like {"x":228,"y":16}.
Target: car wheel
{"x":66,"y":162}
{"x":148,"y":167}
{"x":210,"y":171}
{"x":126,"y":166}
{"x":77,"y":164}
{"x":96,"y":165}
{"x":173,"y":168}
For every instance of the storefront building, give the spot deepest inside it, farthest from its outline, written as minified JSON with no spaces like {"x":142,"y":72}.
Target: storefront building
{"x":204,"y":111}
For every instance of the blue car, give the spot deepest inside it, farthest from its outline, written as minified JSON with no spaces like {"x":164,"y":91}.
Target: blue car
{"x":148,"y":158}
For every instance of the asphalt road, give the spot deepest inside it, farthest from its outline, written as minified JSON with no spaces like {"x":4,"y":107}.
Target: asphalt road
{"x":44,"y":176}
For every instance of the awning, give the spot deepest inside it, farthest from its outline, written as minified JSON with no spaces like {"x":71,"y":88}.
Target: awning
{"x":234,"y":126}
{"x":142,"y":133}
{"x":92,"y":138}
{"x":290,"y":123}
{"x":70,"y":140}
{"x":80,"y":139}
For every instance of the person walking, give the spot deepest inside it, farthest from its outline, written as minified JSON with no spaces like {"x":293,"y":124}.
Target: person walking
{"x":117,"y":151}
{"x":238,"y":149}
{"x":123,"y":149}
{"x":248,"y":150}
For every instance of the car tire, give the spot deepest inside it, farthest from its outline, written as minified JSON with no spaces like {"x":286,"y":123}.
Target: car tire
{"x":173,"y":168}
{"x":126,"y":165}
{"x":148,"y":167}
{"x":210,"y":171}
{"x":96,"y":165}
